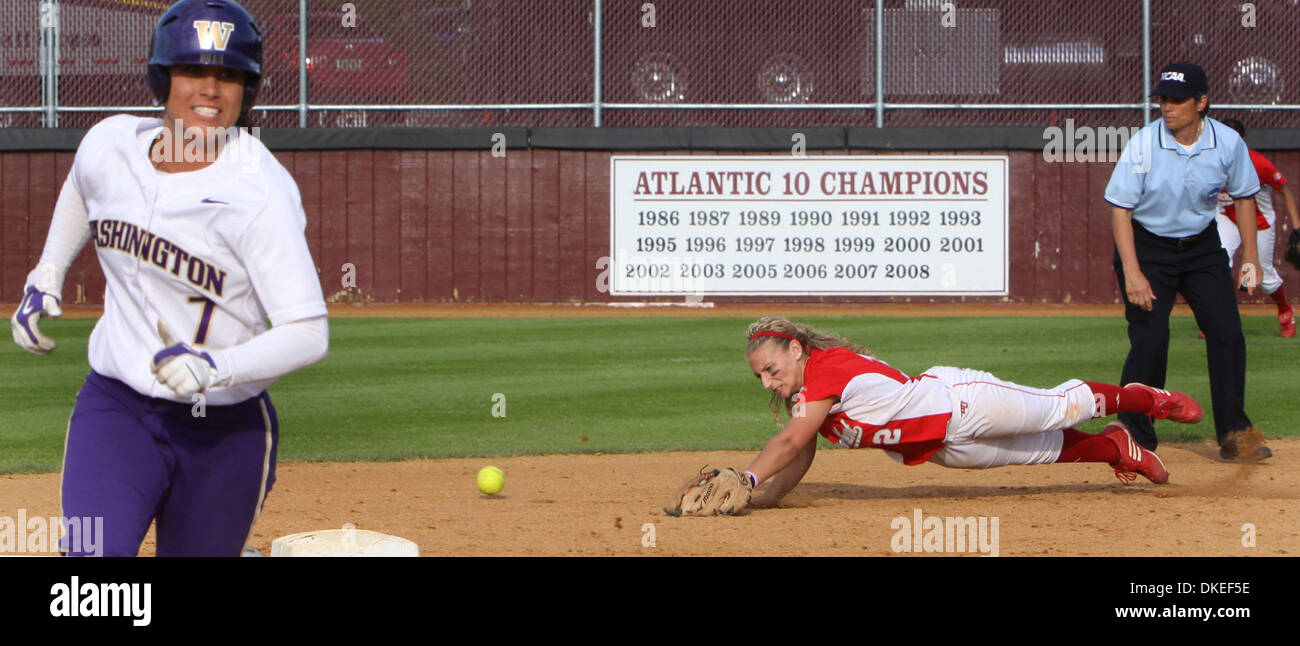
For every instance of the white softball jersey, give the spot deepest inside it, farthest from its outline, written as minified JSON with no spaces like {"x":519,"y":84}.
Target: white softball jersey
{"x":878,"y":406}
{"x":214,"y":253}
{"x":1270,"y":181}
{"x":952,"y":416}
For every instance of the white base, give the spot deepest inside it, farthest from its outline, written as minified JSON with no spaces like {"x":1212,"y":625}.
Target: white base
{"x":343,"y":542}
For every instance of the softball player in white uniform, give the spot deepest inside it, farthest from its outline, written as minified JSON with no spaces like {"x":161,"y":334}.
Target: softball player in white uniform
{"x":1271,"y":182}
{"x":201,"y":244}
{"x":950,"y":416}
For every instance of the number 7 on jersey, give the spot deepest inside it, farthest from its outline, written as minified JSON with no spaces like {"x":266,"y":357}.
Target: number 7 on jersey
{"x":201,"y":335}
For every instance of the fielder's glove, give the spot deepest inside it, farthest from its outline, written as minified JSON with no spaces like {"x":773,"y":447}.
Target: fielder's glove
{"x":27,"y":334}
{"x":720,"y":491}
{"x":182,"y":368}
{"x":1293,"y":248}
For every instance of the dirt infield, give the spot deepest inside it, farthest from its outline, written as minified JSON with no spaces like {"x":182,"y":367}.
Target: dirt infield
{"x":852,"y":503}
{"x":848,"y":505}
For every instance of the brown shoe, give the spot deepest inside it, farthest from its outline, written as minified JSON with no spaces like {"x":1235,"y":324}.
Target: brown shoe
{"x":1244,"y":447}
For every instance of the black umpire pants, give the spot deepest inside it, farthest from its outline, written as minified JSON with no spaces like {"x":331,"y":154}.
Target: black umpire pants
{"x":1197,"y":268}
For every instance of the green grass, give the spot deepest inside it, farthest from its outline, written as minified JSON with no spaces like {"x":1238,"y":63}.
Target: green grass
{"x":409,"y":388}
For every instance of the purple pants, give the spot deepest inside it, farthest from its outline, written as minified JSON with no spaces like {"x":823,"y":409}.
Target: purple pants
{"x":134,"y":459}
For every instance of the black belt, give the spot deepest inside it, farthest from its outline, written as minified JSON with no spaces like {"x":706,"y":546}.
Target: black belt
{"x":1173,"y":242}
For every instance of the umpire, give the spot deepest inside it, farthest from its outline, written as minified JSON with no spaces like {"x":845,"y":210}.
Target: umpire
{"x":1163,"y":195}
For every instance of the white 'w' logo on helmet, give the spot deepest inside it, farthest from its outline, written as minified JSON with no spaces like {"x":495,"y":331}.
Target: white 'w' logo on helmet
{"x":213,"y":34}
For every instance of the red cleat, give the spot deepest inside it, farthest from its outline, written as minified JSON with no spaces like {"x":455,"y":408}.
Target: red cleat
{"x":1133,"y":459}
{"x":1172,"y":405}
{"x":1286,"y":321}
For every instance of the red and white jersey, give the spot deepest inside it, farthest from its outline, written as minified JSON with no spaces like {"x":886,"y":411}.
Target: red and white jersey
{"x":214,"y":253}
{"x":1269,"y":177}
{"x":878,"y":406}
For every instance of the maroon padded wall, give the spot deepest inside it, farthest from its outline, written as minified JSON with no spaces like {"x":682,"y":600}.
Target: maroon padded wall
{"x":448,"y":226}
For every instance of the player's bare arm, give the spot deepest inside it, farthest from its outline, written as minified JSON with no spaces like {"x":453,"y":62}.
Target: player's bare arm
{"x":1135,"y":283}
{"x":782,"y":450}
{"x":1249,"y":273}
{"x":1291,"y":211}
{"x":786,"y":479}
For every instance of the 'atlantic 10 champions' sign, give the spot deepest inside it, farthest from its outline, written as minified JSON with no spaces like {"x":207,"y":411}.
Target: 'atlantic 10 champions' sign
{"x":809,"y":226}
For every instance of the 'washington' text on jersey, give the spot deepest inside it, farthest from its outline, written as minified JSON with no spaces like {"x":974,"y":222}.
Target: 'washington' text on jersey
{"x":127,"y":237}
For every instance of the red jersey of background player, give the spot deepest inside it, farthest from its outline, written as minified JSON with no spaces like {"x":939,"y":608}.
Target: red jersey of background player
{"x":1269,"y":176}
{"x":878,"y":406}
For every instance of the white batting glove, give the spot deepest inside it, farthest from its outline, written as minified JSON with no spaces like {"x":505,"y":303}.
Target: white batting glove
{"x":27,"y":334}
{"x":182,"y":368}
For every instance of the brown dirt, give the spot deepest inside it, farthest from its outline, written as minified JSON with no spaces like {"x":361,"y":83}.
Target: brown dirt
{"x":847,"y":505}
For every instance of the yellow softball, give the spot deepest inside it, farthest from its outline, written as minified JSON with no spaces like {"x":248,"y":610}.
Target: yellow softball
{"x":491,"y":480}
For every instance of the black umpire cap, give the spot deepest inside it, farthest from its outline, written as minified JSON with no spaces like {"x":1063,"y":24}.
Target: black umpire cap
{"x":1181,"y":81}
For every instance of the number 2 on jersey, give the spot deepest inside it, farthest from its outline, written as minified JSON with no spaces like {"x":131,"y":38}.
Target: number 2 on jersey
{"x":201,"y":336}
{"x":887,"y":436}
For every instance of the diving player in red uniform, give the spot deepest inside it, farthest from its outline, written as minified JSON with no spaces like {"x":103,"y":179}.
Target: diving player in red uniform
{"x":950,"y":416}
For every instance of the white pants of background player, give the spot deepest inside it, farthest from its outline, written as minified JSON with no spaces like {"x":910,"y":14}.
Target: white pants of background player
{"x":1230,"y":235}
{"x":1005,"y":423}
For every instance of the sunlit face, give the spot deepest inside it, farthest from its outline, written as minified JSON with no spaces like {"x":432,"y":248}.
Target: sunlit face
{"x":204,"y":96}
{"x":1181,"y":113}
{"x":781,"y":371}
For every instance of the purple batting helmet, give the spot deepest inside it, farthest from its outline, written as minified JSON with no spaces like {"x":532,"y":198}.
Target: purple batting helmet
{"x":207,"y":32}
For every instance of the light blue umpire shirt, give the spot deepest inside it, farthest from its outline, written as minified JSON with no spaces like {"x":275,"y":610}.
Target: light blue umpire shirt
{"x":1173,"y":192}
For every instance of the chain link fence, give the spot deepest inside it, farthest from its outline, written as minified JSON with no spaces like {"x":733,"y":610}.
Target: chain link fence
{"x":1008,"y":53}
{"x":760,"y":63}
{"x":1250,"y":52}
{"x":20,"y":66}
{"x":682,"y":62}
